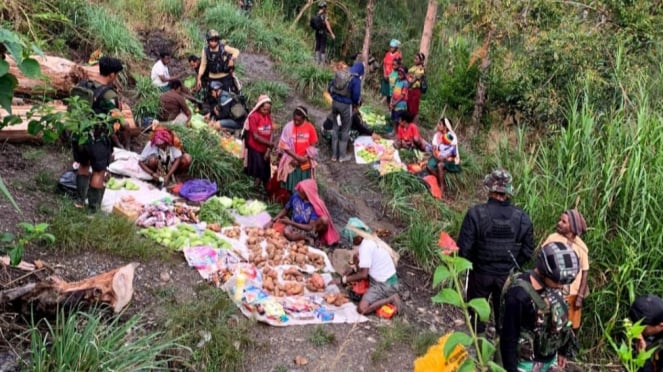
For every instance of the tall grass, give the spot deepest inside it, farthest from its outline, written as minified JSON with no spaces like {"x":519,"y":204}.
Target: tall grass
{"x":609,"y":167}
{"x":147,"y":96}
{"x":87,"y":342}
{"x":277,"y":91}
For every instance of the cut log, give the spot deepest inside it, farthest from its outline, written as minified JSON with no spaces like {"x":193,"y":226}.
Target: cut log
{"x":60,"y":75}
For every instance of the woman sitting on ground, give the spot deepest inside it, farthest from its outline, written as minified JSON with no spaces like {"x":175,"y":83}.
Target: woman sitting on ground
{"x":445,"y":156}
{"x":297,"y":143}
{"x":258,"y":143}
{"x":308,"y":218}
{"x":407,"y":134}
{"x":162,"y":158}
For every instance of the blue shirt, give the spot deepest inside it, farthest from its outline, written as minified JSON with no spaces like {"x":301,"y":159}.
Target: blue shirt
{"x":301,"y":210}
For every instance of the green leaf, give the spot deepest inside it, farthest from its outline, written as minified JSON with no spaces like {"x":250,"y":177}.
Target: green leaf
{"x":481,"y":307}
{"x":34,"y":127}
{"x":454,"y":340}
{"x":7,"y":36}
{"x":15,"y":255}
{"x":30,"y":68}
{"x":5,"y":192}
{"x":50,"y":136}
{"x":441,"y":274}
{"x":4,"y":67}
{"x":494,"y":367}
{"x":27,"y":227}
{"x":16,"y":51}
{"x":7,"y":237}
{"x":487,"y":350}
{"x":50,"y":238}
{"x":447,"y":296}
{"x":10,"y":120}
{"x":8,"y":83}
{"x":41,"y":227}
{"x":467,"y":366}
{"x":461,"y":264}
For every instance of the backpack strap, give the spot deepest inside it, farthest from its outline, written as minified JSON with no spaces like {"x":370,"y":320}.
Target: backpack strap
{"x":539,"y":302}
{"x":99,"y":93}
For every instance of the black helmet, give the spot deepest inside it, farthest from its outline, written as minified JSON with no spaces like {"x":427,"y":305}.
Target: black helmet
{"x":559,"y":262}
{"x":213,"y":34}
{"x":322,"y":4}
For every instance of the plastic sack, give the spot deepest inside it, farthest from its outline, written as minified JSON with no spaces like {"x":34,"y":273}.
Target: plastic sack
{"x":67,"y":183}
{"x":126,"y":164}
{"x":447,"y":243}
{"x":198,"y":190}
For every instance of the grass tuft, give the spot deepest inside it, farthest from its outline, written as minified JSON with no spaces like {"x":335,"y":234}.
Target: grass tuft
{"x":394,"y":333}
{"x":320,"y":337}
{"x":277,"y":91}
{"x":422,"y":341}
{"x":147,"y":96}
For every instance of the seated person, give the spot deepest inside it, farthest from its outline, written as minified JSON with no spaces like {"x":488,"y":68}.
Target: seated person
{"x":648,"y":309}
{"x":407,"y":134}
{"x":309,"y":218}
{"x":445,"y":152}
{"x":358,"y":128}
{"x":223,"y":107}
{"x":162,"y":159}
{"x":376,"y":265}
{"x":172,"y":105}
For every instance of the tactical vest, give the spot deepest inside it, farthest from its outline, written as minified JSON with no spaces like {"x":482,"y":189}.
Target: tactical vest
{"x":217,"y":62}
{"x":498,"y":238}
{"x":552,"y":328}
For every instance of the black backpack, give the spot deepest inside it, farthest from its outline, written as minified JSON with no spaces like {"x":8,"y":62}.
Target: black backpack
{"x":217,"y":62}
{"x":423,"y":84}
{"x":317,"y":23}
{"x":341,"y":83}
{"x":87,"y":91}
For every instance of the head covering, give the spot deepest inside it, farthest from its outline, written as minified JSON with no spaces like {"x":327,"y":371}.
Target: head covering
{"x":262,"y":99}
{"x":558,"y":262}
{"x":310,"y":189}
{"x":499,"y":181}
{"x":421,"y":57}
{"x":215,"y":85}
{"x":357,"y":68}
{"x":576,"y":222}
{"x":213,"y":34}
{"x":648,"y":308}
{"x":394,"y":43}
{"x":302,"y":111}
{"x":322,"y":4}
{"x":401,"y":70}
{"x":448,"y":139}
{"x":162,"y":136}
{"x":354,"y":222}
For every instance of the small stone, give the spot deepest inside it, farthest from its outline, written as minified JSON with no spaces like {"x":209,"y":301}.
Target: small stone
{"x":432,"y":328}
{"x":458,"y":322}
{"x":371,"y":339}
{"x":421,"y":310}
{"x":300,"y":360}
{"x":299,"y":340}
{"x":164,"y":276}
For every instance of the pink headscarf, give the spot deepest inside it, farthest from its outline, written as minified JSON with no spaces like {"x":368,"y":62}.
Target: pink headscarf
{"x":310,"y":189}
{"x":162,"y":136}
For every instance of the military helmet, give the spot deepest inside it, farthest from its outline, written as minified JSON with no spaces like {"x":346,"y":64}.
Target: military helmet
{"x":322,"y":4}
{"x":499,"y":181}
{"x":213,"y":34}
{"x":558,"y":262}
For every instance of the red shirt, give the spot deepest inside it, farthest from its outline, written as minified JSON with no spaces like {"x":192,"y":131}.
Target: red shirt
{"x":304,"y":136}
{"x":388,"y":61}
{"x":262,"y":126}
{"x":407,"y":134}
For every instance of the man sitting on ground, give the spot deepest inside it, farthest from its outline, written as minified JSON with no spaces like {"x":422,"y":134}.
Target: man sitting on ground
{"x":161,"y":159}
{"x":160,"y":74}
{"x":376,"y":265}
{"x":172,"y":106}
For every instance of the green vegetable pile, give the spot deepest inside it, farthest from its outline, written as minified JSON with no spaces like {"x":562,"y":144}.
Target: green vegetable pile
{"x":248,"y":208}
{"x":214,"y":210}
{"x":116,"y":184}
{"x":197,"y":121}
{"x":184,"y":236}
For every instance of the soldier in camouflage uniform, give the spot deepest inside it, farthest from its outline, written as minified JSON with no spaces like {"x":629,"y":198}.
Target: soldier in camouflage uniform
{"x":648,"y":310}
{"x":535,"y":331}
{"x":496,"y":237}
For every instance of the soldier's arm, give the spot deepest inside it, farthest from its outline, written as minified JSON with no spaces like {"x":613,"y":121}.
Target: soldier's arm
{"x":467,"y":236}
{"x":527,"y":242}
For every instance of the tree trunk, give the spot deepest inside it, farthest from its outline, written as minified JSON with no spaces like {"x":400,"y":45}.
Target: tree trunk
{"x":367,"y":35}
{"x":60,"y":75}
{"x":482,"y":85}
{"x":301,"y":13}
{"x":429,"y":25}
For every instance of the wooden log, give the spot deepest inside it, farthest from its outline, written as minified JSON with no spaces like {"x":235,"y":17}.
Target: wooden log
{"x":60,"y":75}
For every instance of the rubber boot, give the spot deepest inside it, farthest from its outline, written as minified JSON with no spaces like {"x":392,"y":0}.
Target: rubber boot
{"x":82,"y":186}
{"x":94,"y":197}
{"x":317,"y":58}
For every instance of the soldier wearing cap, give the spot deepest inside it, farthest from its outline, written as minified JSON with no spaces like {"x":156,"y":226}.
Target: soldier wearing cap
{"x":648,"y":310}
{"x":496,"y":237}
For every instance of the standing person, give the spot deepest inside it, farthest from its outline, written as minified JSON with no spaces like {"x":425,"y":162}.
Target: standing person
{"x":258,"y":129}
{"x":160,"y":74}
{"x":648,"y":309}
{"x":95,"y":151}
{"x":399,"y":94}
{"x":297,"y":144}
{"x":496,"y":237}
{"x":392,"y":54}
{"x":320,"y":23}
{"x":535,"y":334}
{"x":345,"y":90}
{"x":570,"y":227}
{"x":416,"y":75}
{"x":218,"y":63}
{"x":172,"y":106}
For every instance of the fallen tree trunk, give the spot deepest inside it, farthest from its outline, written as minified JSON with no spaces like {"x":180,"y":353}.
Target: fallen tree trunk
{"x":60,"y":75}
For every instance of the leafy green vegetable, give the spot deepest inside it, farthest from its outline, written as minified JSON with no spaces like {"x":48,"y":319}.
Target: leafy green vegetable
{"x":214,"y":211}
{"x":251,"y":208}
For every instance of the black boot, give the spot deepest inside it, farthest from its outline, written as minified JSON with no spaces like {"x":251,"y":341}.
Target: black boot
{"x":94,"y":197}
{"x":82,"y":186}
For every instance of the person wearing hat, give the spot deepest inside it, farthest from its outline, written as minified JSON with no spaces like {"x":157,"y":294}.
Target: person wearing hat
{"x":323,"y":27}
{"x":648,"y":310}
{"x":570,"y":227}
{"x":496,"y":237}
{"x":217,"y":63}
{"x":258,"y":128}
{"x":535,"y":332}
{"x":374,"y":264}
{"x":390,"y":55}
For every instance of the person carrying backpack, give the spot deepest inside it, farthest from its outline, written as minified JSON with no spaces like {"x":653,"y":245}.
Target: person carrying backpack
{"x":95,"y":151}
{"x":535,"y":331}
{"x":217,"y":63}
{"x":320,"y":24}
{"x":345,"y":90}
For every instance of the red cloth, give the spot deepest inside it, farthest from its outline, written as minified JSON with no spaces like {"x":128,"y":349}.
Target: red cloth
{"x":407,"y":134}
{"x":303,"y":137}
{"x":434,"y":186}
{"x":447,"y":243}
{"x":262,"y":125}
{"x":310,"y":189}
{"x":162,"y":136}
{"x":413,"y":98}
{"x":388,"y":61}
{"x":275,"y":192}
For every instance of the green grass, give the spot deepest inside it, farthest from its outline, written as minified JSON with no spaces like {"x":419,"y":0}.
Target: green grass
{"x":34,"y":153}
{"x":146,"y":96}
{"x":77,"y":232}
{"x":88,"y":341}
{"x":173,"y":8}
{"x":318,"y":336}
{"x":394,"y":333}
{"x":109,"y":32}
{"x":422,"y":341}
{"x":277,"y":91}
{"x":211,"y":314}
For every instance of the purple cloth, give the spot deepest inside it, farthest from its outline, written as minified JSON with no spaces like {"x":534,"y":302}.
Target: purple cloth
{"x":198,"y":190}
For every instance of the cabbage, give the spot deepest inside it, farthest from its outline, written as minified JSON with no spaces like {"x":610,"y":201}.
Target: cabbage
{"x":251,"y":208}
{"x":197,"y":121}
{"x":225,"y":201}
